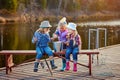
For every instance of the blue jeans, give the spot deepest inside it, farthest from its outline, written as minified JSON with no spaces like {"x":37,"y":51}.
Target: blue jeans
{"x":41,"y":50}
{"x":74,"y":52}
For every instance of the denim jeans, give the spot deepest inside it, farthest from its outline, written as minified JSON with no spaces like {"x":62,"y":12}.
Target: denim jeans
{"x":41,"y":50}
{"x":74,"y":51}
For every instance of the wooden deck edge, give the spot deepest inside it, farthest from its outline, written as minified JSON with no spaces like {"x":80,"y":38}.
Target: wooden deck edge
{"x":109,"y":47}
{"x":2,"y":68}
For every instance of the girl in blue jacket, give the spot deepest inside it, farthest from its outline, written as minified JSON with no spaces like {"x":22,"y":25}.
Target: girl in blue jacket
{"x":41,"y":38}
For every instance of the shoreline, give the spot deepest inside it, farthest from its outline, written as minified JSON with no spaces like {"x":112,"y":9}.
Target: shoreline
{"x":7,"y":20}
{"x":53,"y":18}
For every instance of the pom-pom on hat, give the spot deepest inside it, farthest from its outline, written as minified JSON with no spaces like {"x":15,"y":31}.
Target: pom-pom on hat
{"x":62,"y":22}
{"x":72,"y":26}
{"x":45,"y":24}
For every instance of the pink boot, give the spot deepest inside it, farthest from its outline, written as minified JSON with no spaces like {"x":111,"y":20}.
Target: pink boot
{"x":67,"y":66}
{"x":75,"y":67}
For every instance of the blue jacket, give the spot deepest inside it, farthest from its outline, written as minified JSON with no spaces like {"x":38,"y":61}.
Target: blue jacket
{"x":42,"y":39}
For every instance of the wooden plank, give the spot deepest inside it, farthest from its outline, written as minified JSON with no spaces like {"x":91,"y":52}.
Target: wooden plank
{"x":24,"y":52}
{"x":33,"y":52}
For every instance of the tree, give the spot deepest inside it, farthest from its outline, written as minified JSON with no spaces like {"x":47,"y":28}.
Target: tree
{"x":10,"y":5}
{"x":113,"y":5}
{"x":97,"y":5}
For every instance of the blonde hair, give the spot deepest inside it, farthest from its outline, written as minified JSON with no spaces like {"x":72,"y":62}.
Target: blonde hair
{"x":62,"y":22}
{"x":76,"y":33}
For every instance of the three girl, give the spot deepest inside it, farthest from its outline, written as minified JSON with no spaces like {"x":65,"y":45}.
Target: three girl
{"x":66,"y":34}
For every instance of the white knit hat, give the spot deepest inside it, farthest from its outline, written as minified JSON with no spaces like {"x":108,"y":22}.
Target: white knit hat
{"x":62,"y":22}
{"x":45,"y":24}
{"x":72,"y":26}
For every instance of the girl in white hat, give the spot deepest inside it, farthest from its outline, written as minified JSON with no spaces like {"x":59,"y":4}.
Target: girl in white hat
{"x":61,"y":33}
{"x":73,"y":43}
{"x":41,"y":38}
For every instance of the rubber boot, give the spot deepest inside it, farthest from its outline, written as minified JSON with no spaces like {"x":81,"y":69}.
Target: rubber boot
{"x":36,"y":66}
{"x":75,"y":67}
{"x":67,"y":66}
{"x":52,"y":64}
{"x":63,"y":67}
{"x":42,"y":65}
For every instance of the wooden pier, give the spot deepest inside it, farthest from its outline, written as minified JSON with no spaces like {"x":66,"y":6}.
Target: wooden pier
{"x":107,"y":69}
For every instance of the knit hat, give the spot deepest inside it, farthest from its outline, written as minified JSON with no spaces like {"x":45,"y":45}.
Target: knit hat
{"x":62,"y":22}
{"x":45,"y":24}
{"x":72,"y":26}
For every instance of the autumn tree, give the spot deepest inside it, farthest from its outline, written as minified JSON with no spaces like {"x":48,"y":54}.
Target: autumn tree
{"x":10,"y":5}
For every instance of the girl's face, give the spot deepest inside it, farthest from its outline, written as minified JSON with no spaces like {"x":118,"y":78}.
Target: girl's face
{"x":71,"y":31}
{"x":62,"y":28}
{"x":46,"y":30}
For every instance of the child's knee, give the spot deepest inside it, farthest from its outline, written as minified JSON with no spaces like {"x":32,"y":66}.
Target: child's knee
{"x":50,"y":54}
{"x":75,"y":51}
{"x":39,"y":55}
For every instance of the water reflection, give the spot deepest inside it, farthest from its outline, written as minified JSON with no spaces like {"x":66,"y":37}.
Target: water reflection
{"x":18,"y":37}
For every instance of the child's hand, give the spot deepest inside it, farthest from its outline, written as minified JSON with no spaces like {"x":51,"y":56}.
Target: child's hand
{"x":67,"y":43}
{"x":54,"y":36}
{"x":35,"y":39}
{"x":52,"y":39}
{"x":68,"y":36}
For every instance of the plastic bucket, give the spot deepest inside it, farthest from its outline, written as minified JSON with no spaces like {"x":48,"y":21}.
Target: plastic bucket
{"x":58,"y":46}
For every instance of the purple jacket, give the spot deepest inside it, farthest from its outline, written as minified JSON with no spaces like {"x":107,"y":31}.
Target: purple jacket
{"x":61,"y":35}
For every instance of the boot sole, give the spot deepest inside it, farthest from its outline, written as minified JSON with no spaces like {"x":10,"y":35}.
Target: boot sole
{"x":35,"y":70}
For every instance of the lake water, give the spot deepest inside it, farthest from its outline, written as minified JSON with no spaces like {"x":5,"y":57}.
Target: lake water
{"x":18,"y":36}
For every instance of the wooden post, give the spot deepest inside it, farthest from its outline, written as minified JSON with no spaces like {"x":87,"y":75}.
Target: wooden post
{"x":9,"y":62}
{"x":90,"y":64}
